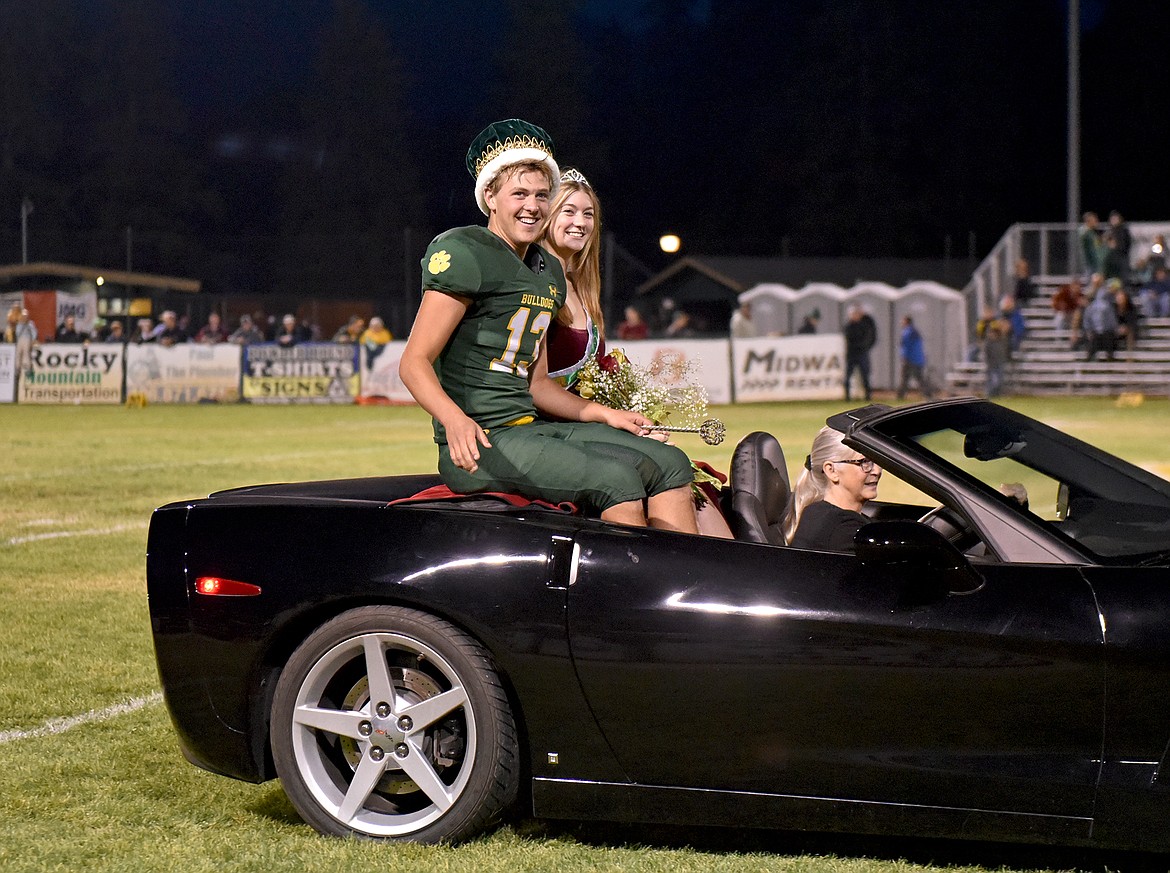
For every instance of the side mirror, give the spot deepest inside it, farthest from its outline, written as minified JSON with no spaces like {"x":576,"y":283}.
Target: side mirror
{"x":927,"y":558}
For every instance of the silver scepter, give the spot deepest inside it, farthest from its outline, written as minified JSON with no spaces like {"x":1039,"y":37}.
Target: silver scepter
{"x":711,"y":431}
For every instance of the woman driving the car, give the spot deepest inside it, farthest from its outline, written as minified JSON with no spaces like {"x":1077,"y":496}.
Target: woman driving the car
{"x":835,"y":484}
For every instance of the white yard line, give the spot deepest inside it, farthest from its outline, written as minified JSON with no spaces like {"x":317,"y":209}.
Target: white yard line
{"x":61,"y":534}
{"x":60,"y":725}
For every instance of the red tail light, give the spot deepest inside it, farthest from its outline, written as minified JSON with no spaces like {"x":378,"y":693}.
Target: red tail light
{"x":219,"y":587}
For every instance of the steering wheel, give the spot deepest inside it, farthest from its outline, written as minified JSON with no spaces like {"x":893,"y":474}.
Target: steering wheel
{"x":952,"y":526}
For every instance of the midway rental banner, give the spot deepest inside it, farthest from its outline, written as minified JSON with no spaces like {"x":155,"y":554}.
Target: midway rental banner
{"x":64,"y":373}
{"x":810,"y":367}
{"x":306,"y":373}
{"x":184,"y":373}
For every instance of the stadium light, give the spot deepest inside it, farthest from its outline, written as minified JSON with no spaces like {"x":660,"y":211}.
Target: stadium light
{"x":669,"y":243}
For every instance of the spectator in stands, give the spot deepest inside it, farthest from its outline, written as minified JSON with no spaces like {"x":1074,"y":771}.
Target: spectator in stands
{"x":143,"y":332}
{"x":1122,"y":238}
{"x":1127,"y":316}
{"x":1009,"y":312}
{"x":1114,"y":263}
{"x":986,"y":317}
{"x":997,"y":351}
{"x":742,"y":326}
{"x":67,"y":332}
{"x":1092,"y":249}
{"x":912,"y":351}
{"x":811,"y":323}
{"x":213,"y":332}
{"x":116,"y":333}
{"x":1025,"y":287}
{"x":1154,"y":298}
{"x":351,"y":331}
{"x":374,"y":339}
{"x":1157,"y":257}
{"x":1100,"y":325}
{"x":634,"y":327}
{"x":10,"y":325}
{"x":680,"y":326}
{"x":860,"y":337}
{"x":247,"y":333}
{"x":99,"y":332}
{"x":307,"y":331}
{"x":1078,"y":340}
{"x":24,"y":334}
{"x":1066,"y":300}
{"x":287,"y":335}
{"x":172,"y":332}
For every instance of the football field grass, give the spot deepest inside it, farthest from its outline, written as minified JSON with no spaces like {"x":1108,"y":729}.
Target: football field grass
{"x":91,"y":777}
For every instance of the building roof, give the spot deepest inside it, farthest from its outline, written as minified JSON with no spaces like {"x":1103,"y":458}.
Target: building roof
{"x":43,"y":269}
{"x":738,"y":274}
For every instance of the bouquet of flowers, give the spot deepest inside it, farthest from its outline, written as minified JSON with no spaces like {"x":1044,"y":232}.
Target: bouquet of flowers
{"x":660,"y":392}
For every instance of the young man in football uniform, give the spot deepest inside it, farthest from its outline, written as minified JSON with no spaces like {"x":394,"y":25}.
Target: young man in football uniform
{"x":473,"y":359}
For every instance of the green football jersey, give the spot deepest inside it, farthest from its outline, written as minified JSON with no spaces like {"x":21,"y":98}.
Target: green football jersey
{"x":484,"y":366}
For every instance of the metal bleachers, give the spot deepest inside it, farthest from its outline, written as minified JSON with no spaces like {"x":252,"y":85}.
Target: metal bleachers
{"x":1046,"y":363}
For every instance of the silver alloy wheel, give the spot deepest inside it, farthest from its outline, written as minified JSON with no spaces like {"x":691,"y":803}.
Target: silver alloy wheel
{"x":383,"y":735}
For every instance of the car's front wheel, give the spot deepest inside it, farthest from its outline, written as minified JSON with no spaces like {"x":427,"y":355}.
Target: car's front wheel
{"x":391,"y":723}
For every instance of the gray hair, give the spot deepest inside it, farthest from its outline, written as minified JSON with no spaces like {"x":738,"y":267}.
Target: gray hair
{"x":813,"y":484}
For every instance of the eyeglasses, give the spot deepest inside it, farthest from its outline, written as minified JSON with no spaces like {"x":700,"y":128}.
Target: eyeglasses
{"x":865,"y":464}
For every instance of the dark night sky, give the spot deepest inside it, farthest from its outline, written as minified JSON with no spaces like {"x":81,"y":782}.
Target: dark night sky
{"x":824,"y":127}
{"x":249,"y":49}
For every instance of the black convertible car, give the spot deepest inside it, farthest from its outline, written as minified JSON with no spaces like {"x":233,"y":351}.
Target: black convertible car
{"x":985,"y":665}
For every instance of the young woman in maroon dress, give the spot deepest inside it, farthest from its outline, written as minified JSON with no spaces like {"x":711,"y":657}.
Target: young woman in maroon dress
{"x":577,"y":335}
{"x":573,"y":234}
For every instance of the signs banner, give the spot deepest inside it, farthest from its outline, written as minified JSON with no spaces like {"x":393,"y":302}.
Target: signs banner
{"x":184,"y":373}
{"x":68,"y":373}
{"x":305,"y":373}
{"x":709,"y":360}
{"x":810,"y":367}
{"x":380,"y":374}
{"x":7,"y":372}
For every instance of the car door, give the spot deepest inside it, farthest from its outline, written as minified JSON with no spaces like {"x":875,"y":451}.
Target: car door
{"x":731,"y":665}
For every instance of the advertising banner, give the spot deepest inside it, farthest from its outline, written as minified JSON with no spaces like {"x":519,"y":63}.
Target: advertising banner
{"x":685,"y":361}
{"x":184,"y":373}
{"x":64,"y":373}
{"x":306,"y":373}
{"x":380,"y":382}
{"x":7,"y":372}
{"x":789,"y":368}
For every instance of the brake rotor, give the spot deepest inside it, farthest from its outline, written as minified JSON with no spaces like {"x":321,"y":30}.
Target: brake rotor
{"x":413,"y":687}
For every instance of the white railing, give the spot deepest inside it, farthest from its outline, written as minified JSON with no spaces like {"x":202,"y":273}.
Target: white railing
{"x":1052,"y":252}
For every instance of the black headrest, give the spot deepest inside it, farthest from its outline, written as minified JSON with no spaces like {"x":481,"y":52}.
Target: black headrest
{"x":759,"y":489}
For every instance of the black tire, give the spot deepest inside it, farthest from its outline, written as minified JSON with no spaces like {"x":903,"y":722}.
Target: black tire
{"x":434,"y":758}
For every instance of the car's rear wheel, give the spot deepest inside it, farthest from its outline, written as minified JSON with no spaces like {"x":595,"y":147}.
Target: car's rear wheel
{"x":391,"y":723}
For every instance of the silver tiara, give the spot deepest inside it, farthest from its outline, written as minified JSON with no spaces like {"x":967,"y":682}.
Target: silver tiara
{"x":574,"y":175}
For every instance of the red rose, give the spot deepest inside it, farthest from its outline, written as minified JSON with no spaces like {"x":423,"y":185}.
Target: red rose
{"x":608,"y":364}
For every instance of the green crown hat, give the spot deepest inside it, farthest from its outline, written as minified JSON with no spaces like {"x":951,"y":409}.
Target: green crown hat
{"x":503,"y":143}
